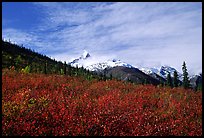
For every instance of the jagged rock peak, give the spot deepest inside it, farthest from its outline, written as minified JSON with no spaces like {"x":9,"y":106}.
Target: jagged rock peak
{"x":85,"y":54}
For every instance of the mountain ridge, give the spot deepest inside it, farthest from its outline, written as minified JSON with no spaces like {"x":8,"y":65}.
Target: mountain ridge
{"x":124,"y":71}
{"x":110,"y":63}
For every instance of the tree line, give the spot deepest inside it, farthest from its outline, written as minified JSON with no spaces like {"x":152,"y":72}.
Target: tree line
{"x":28,"y":61}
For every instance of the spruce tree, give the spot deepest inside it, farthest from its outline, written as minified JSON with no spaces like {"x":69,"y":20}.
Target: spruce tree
{"x":175,"y":79}
{"x":69,"y":70}
{"x":111,"y":76}
{"x":161,"y":83}
{"x":185,"y":76}
{"x":104,"y":77}
{"x":65,"y":68}
{"x":199,"y":83}
{"x":145,"y":81}
{"x":169,"y":80}
{"x":45,"y":68}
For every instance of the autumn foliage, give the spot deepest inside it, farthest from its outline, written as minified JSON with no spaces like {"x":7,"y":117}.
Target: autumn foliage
{"x":56,"y":105}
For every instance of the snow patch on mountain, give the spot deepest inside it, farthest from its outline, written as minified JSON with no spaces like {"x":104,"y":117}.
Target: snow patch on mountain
{"x":162,"y":71}
{"x":85,"y":55}
{"x":95,"y":63}
{"x":149,"y":70}
{"x":108,"y":64}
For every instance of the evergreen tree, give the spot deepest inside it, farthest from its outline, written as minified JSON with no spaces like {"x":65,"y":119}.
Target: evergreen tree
{"x":186,"y":82}
{"x":111,"y":76}
{"x":128,"y":79}
{"x":104,"y":77}
{"x":81,"y":71}
{"x":31,"y":67}
{"x":18,"y":62}
{"x":169,"y":80}
{"x":45,"y":68}
{"x":65,"y":67}
{"x":199,"y":87}
{"x":56,"y":68}
{"x":69,"y":70}
{"x":199,"y":83}
{"x":145,"y":81}
{"x":161,"y":82}
{"x":100,"y":76}
{"x":61,"y":72}
{"x":175,"y":79}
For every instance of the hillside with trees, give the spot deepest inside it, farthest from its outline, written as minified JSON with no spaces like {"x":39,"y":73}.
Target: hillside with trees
{"x":26,"y":60}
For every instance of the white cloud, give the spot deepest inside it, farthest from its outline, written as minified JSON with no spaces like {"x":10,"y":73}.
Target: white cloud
{"x":27,"y":39}
{"x":18,"y":36}
{"x":142,"y":34}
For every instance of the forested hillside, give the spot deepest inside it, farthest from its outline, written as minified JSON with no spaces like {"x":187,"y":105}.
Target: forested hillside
{"x":26,"y":60}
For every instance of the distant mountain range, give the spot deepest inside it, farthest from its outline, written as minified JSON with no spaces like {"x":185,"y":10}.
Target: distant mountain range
{"x":125,"y":71}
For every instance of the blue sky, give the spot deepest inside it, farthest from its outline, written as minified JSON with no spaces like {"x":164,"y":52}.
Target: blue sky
{"x":144,"y":34}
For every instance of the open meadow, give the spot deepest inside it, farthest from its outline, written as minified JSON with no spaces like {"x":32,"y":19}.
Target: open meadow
{"x":57,"y":105}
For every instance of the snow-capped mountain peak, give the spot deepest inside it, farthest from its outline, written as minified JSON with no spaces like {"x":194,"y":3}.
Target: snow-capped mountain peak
{"x":167,"y":69}
{"x":76,"y":61}
{"x":85,"y":55}
{"x":92,"y":63}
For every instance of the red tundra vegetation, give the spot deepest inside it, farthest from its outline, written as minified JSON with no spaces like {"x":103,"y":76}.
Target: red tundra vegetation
{"x":55,"y":105}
